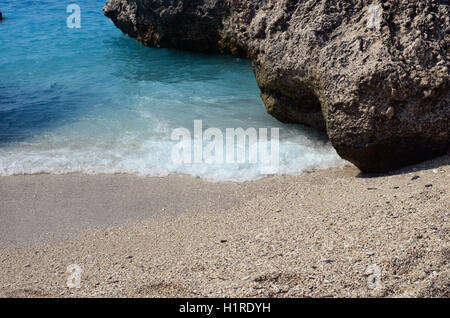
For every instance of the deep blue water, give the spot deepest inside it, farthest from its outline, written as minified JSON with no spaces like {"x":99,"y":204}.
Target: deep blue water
{"x":92,"y":100}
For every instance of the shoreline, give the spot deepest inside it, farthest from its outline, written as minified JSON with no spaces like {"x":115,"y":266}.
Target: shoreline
{"x":313,"y":235}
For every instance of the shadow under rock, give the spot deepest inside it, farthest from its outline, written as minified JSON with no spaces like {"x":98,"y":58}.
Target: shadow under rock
{"x":426,"y":165}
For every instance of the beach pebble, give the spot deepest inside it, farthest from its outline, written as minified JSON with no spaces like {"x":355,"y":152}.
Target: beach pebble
{"x":259,"y":236}
{"x":415,"y":178}
{"x":246,"y":278}
{"x":436,"y":171}
{"x":327,"y":261}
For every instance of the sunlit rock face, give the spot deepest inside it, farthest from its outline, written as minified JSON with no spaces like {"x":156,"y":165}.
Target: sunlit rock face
{"x":375,"y":75}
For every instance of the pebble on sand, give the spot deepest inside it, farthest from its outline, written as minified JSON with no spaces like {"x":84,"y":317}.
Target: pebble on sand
{"x":327,"y":261}
{"x":259,"y":236}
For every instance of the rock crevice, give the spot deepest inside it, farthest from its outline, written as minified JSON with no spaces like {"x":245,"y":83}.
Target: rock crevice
{"x":374,"y":75}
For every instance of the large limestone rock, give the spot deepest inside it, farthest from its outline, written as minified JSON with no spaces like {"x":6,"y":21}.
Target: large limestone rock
{"x":375,"y":75}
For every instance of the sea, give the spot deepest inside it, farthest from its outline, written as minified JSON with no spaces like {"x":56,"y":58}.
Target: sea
{"x":91,"y":100}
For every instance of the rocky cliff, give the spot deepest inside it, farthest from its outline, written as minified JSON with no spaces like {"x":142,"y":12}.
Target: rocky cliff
{"x":374,"y":74}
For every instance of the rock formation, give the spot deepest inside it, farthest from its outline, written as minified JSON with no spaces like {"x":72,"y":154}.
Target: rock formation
{"x":374,"y":74}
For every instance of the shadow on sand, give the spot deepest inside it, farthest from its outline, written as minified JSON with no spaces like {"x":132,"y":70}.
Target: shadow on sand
{"x":426,"y":165}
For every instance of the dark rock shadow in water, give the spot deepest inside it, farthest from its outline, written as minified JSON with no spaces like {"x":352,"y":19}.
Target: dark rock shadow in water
{"x":139,"y":63}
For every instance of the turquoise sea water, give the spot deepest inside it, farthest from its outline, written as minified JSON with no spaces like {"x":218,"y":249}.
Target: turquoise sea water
{"x":92,"y":100}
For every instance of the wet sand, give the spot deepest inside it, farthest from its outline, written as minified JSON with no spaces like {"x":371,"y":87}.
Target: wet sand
{"x":323,"y":234}
{"x":38,"y":208}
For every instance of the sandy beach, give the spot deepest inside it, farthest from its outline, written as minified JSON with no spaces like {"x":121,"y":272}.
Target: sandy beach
{"x":139,"y":141}
{"x":322,"y":234}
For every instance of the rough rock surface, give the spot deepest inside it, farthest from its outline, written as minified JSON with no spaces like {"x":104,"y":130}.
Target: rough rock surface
{"x":381,"y":90}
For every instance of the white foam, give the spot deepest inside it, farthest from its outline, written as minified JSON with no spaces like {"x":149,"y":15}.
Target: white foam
{"x":136,"y":139}
{"x":133,"y":154}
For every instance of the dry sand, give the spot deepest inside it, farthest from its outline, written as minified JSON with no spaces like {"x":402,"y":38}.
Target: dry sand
{"x":306,"y":236}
